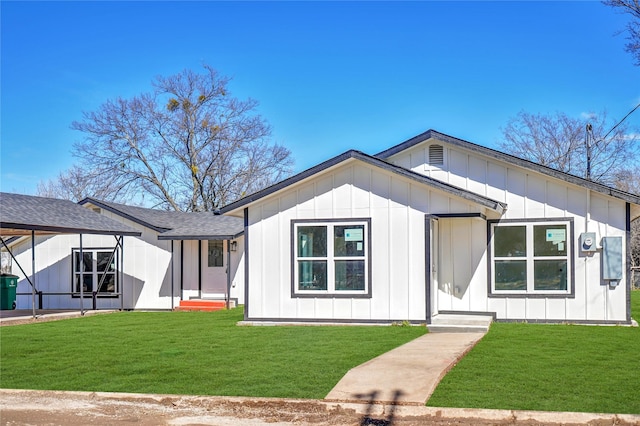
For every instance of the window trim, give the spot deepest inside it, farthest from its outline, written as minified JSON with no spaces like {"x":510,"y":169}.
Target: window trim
{"x":89,"y":294}
{"x":558,"y":294}
{"x":334,"y":294}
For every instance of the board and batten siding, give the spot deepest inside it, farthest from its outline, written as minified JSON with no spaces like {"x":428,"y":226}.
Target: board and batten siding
{"x":529,"y":195}
{"x":462,"y":265}
{"x":190,"y":262}
{"x":396,"y":207}
{"x":147,"y":270}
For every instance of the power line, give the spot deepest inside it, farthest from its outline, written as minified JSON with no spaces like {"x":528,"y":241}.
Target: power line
{"x":589,"y":140}
{"x":620,"y":122}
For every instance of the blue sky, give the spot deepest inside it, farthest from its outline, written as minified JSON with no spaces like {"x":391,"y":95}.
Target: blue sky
{"x":329,"y":76}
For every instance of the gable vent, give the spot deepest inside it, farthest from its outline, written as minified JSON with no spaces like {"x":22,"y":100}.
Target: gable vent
{"x":436,"y":155}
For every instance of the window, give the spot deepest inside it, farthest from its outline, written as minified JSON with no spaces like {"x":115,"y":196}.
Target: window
{"x":216,"y":253}
{"x":99,"y":271}
{"x":531,"y":257}
{"x":331,"y":258}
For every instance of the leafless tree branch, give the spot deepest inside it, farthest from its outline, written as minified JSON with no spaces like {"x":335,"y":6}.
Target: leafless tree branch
{"x":189,"y":145}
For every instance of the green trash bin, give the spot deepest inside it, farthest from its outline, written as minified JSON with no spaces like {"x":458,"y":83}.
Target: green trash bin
{"x":8,"y":285}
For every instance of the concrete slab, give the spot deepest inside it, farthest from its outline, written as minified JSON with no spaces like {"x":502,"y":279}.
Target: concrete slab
{"x":408,"y":374}
{"x":25,"y":316}
{"x":460,"y":323}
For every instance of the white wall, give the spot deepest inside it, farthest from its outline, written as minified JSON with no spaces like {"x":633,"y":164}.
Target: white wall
{"x":146,"y":272}
{"x":237,"y":272}
{"x":397,"y":208}
{"x":147,"y":269}
{"x":462,"y":265}
{"x":528,"y":194}
{"x":191,"y":265}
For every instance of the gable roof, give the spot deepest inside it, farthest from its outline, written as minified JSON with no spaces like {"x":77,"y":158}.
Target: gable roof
{"x":173,"y":225}
{"x":20,"y":214}
{"x":521,"y":162}
{"x":373,"y":161}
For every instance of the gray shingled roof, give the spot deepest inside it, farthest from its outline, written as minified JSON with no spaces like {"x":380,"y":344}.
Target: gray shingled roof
{"x":172,"y":225}
{"x":21,"y":214}
{"x":203,"y":226}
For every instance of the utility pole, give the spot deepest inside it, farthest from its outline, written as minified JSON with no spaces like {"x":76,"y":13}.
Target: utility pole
{"x":589,"y":139}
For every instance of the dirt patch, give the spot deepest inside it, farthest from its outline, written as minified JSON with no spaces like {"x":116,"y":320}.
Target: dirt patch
{"x":21,"y":407}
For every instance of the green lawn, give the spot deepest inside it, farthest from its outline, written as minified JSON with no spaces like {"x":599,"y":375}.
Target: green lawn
{"x":515,"y":366}
{"x":188,"y":353}
{"x":549,"y":367}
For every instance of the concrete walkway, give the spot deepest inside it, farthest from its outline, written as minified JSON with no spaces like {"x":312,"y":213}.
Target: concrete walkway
{"x":405,"y":375}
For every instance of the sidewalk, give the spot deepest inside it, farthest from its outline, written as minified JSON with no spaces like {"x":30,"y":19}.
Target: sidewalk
{"x":406,"y":375}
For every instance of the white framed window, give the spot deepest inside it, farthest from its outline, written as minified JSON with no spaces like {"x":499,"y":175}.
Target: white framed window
{"x":531,"y":257}
{"x":98,"y":272}
{"x":331,"y":258}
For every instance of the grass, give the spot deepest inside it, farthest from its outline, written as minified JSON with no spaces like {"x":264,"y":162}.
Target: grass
{"x":515,"y":366}
{"x":549,"y":367}
{"x":187,"y":353}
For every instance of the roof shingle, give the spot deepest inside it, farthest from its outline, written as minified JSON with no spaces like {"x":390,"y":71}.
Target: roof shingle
{"x":173,"y":225}
{"x":20,"y":214}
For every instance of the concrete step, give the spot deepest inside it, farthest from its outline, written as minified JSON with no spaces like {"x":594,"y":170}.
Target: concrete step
{"x":460,"y":323}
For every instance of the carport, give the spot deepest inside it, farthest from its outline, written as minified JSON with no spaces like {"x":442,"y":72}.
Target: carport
{"x":30,"y":216}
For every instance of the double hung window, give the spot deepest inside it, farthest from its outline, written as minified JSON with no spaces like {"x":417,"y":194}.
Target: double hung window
{"x":96,"y":272}
{"x":531,"y":257}
{"x":331,"y":257}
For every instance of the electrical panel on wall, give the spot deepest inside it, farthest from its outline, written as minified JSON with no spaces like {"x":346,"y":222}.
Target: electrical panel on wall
{"x":612,"y":259}
{"x":588,"y":242}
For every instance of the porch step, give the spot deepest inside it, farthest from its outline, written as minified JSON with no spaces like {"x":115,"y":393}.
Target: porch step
{"x":460,"y":323}
{"x":203,"y":305}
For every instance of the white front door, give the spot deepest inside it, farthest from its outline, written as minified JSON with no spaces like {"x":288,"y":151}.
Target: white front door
{"x":214,"y":275}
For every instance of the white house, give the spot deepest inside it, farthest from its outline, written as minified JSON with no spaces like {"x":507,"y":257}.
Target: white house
{"x":436,"y":225}
{"x":179,"y":256}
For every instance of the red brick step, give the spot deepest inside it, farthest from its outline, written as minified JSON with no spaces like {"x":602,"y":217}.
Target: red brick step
{"x":201,"y":305}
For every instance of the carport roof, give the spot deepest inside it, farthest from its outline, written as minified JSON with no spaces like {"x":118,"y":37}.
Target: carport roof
{"x":22,"y":214}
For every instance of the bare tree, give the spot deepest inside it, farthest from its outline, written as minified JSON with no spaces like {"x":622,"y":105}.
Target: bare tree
{"x":77,"y":183}
{"x":631,"y":7}
{"x":559,"y":141}
{"x":629,"y":180}
{"x":635,"y":253}
{"x":187,"y":146}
